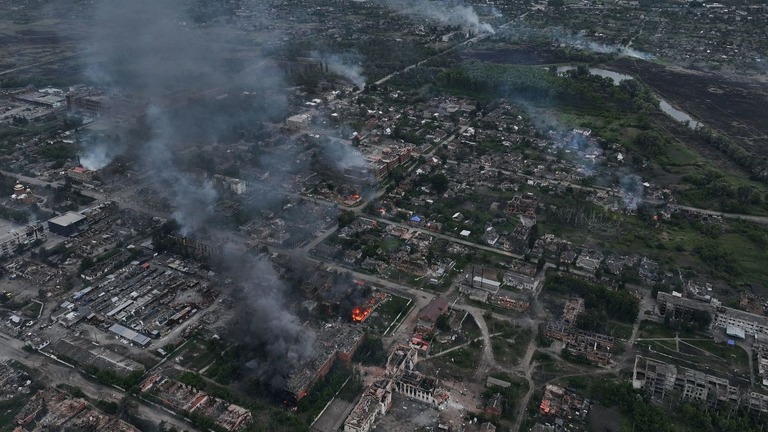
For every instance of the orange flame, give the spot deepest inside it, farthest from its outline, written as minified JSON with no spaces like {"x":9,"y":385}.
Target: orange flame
{"x":359,"y":314}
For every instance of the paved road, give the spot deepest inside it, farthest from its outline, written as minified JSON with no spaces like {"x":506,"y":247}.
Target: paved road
{"x":58,"y":373}
{"x":751,"y":218}
{"x":449,"y":238}
{"x":38,"y":63}
{"x":466,"y":42}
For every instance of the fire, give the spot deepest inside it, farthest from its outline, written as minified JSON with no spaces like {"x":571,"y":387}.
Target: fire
{"x":359,"y":314}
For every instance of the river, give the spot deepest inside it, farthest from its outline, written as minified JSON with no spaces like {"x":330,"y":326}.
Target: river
{"x":664,"y":105}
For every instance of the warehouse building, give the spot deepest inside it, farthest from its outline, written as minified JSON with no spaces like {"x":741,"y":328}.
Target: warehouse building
{"x":67,"y":224}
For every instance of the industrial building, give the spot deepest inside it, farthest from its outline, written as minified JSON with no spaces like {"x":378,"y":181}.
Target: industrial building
{"x":83,"y":352}
{"x":521,"y":281}
{"x":43,"y":99}
{"x":375,"y":401}
{"x":81,"y":174}
{"x":93,"y":105}
{"x":559,"y":405}
{"x":52,"y":408}
{"x":401,"y":377}
{"x":130,"y":335}
{"x":509,"y":300}
{"x":67,"y":224}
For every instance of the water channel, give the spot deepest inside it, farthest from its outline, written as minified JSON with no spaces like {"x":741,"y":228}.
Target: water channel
{"x":664,"y":105}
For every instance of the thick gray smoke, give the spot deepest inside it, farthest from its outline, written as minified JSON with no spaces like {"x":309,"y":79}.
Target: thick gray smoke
{"x":192,"y":198}
{"x":344,"y":65}
{"x":192,"y":93}
{"x":342,"y":155}
{"x":448,"y":13}
{"x":278,"y":340}
{"x":147,"y":49}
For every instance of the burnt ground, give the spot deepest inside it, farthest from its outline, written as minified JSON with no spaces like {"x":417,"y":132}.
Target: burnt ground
{"x":736,"y":108}
{"x":518,"y":55}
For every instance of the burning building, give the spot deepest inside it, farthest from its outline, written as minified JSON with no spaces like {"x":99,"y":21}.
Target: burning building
{"x":559,"y":403}
{"x":362,"y":312}
{"x":334,"y":342}
{"x":81,"y":174}
{"x":359,"y":314}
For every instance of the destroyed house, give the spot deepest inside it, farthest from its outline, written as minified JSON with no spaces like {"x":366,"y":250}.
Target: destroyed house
{"x":428,"y":316}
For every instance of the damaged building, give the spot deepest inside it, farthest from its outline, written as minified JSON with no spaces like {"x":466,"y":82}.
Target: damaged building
{"x":334,"y":342}
{"x":401,"y":377}
{"x":183,"y":398}
{"x":662,"y":380}
{"x":595,"y":347}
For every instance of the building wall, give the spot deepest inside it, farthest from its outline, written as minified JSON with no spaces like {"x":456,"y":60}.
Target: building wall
{"x":414,"y":392}
{"x":65,"y":230}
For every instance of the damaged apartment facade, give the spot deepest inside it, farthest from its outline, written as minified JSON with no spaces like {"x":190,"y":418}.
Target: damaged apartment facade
{"x":663,"y":380}
{"x":401,"y":377}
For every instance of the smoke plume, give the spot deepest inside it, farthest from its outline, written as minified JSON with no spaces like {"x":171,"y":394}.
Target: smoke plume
{"x":278,"y":342}
{"x":448,"y":13}
{"x":345,"y":65}
{"x":191,"y":92}
{"x":97,"y":154}
{"x":580,"y":41}
{"x":342,"y":155}
{"x":183,"y":77}
{"x":631,"y":189}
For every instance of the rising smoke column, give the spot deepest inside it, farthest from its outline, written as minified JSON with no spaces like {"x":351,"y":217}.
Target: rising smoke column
{"x":277,"y":339}
{"x":147,"y":49}
{"x":347,"y":65}
{"x":98,"y":151}
{"x":631,"y":189}
{"x":444,"y":12}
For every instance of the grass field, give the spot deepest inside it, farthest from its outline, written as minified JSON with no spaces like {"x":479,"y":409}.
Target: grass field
{"x":388,"y":314}
{"x":651,"y":330}
{"x":619,"y":330}
{"x":509,"y":351}
{"x":735,"y":356}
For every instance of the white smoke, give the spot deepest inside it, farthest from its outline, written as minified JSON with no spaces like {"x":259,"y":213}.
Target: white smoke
{"x":96,"y":158}
{"x":342,"y":154}
{"x":345,"y":65}
{"x":631,"y":189}
{"x":616,"y":49}
{"x":442,"y":12}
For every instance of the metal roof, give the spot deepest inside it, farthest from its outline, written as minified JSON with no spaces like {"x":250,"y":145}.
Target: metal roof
{"x":129,"y":334}
{"x":67,"y":219}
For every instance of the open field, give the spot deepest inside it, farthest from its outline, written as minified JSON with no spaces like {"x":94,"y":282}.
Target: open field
{"x":736,"y":108}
